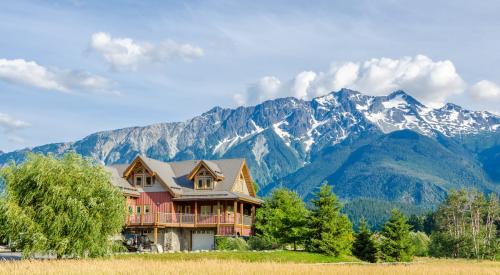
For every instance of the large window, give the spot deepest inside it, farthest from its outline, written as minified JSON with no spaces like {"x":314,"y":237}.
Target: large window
{"x":206,"y":209}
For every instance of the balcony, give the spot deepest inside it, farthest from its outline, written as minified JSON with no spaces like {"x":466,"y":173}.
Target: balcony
{"x":229,"y":224}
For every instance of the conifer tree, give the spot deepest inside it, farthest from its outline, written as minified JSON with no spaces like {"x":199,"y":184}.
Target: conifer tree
{"x":364,"y":247}
{"x":397,"y":243}
{"x":282,"y":219}
{"x":330,"y":231}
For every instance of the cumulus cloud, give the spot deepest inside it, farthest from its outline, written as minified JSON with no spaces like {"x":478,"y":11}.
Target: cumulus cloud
{"x":9,"y":124}
{"x":30,"y":73}
{"x":485,"y":90}
{"x":125,"y":53}
{"x":430,"y":81}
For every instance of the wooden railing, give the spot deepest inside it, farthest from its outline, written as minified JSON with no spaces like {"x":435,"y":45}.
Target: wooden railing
{"x":161,"y":218}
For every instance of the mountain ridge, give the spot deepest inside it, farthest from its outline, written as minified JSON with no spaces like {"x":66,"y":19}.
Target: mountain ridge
{"x":284,"y":137}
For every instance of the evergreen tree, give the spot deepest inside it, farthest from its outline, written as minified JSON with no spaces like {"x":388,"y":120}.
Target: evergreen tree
{"x":364,"y":246}
{"x":62,"y":205}
{"x":330,"y":231}
{"x":397,"y":244}
{"x":416,"y":223}
{"x":282,"y":219}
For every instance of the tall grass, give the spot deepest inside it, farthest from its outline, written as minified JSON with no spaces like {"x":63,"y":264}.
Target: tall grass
{"x":141,"y":266}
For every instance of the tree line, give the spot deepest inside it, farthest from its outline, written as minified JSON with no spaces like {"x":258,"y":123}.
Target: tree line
{"x":466,"y":225}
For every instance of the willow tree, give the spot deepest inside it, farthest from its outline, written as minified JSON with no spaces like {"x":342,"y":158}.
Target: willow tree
{"x":64,"y":206}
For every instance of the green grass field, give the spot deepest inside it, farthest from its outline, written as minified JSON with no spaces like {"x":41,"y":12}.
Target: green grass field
{"x":247,"y":256}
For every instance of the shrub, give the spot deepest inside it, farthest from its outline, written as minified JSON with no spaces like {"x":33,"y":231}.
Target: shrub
{"x":421,"y":243}
{"x":230,"y":243}
{"x":257,"y":243}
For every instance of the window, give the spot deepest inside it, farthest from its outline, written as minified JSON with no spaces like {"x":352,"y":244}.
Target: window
{"x":179,"y":209}
{"x":187,"y":209}
{"x":149,"y":181}
{"x":215,"y":209}
{"x":209,"y":183}
{"x":229,"y":208}
{"x":138,"y":209}
{"x":206,"y":209}
{"x":200,"y":184}
{"x":146,"y":209}
{"x":130,"y":210}
{"x":138,"y":180}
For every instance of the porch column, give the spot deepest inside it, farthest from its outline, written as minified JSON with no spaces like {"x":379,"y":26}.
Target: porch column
{"x":235,"y":212}
{"x":253,"y":214}
{"x":155,"y":234}
{"x":195,"y":212}
{"x":218,"y":217}
{"x":241,"y":218}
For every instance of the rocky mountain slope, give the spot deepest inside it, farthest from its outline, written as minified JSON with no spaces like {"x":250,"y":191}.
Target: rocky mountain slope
{"x":346,"y":138}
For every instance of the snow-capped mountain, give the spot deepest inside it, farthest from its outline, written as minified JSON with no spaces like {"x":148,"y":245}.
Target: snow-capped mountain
{"x":279,"y":136}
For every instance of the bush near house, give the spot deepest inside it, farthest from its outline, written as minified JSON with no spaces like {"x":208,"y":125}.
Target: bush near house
{"x":66,"y":206}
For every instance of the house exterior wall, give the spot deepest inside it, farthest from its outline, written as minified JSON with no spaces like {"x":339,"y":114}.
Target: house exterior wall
{"x":157,"y":201}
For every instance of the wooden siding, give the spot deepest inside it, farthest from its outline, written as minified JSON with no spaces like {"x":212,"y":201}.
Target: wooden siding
{"x":157,"y":201}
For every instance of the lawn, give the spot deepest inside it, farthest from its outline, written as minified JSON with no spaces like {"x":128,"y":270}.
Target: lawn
{"x":243,"y":263}
{"x":244,"y":256}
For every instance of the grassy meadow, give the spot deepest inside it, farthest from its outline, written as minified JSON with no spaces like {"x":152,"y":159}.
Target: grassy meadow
{"x":243,"y":263}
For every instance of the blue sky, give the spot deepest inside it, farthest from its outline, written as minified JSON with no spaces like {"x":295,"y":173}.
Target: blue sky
{"x":70,"y":68}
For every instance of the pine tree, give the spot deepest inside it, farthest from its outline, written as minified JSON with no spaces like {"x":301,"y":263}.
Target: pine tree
{"x":330,"y":231}
{"x":364,"y":247}
{"x":282,"y":219}
{"x":397,"y":243}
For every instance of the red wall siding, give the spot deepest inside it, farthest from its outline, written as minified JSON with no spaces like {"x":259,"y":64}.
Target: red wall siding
{"x":158,"y":201}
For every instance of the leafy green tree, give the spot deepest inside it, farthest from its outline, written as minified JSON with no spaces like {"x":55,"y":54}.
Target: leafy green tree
{"x":397,"y":244}
{"x":466,"y":226}
{"x":364,"y":246}
{"x":65,"y":206}
{"x":330,"y":231}
{"x":421,"y":243}
{"x":282,"y":219}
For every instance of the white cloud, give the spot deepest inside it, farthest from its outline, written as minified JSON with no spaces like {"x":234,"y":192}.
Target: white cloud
{"x":125,"y":53}
{"x":9,"y":124}
{"x":430,"y":81}
{"x":485,"y":90}
{"x":20,"y":71}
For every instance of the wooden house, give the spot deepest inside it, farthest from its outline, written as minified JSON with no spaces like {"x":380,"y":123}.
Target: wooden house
{"x":184,"y":205}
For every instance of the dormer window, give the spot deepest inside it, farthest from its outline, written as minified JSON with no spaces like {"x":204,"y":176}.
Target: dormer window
{"x":149,"y":181}
{"x":138,"y":180}
{"x":203,"y":180}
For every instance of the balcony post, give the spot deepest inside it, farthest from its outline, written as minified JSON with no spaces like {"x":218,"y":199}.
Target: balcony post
{"x":241,"y":218}
{"x":218,"y":217}
{"x":155,"y":234}
{"x":157,"y":218}
{"x":142,"y":216}
{"x":235,"y":218}
{"x":195,"y":213}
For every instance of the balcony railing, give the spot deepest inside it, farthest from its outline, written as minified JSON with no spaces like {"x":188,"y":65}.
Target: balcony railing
{"x":162,"y":218}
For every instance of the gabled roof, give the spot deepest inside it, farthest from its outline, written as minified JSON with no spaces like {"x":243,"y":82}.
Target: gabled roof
{"x":118,"y":181}
{"x":175,"y":176}
{"x":212,"y":167}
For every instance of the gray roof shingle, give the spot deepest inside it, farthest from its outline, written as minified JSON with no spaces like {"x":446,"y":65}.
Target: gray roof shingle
{"x":175,"y":176}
